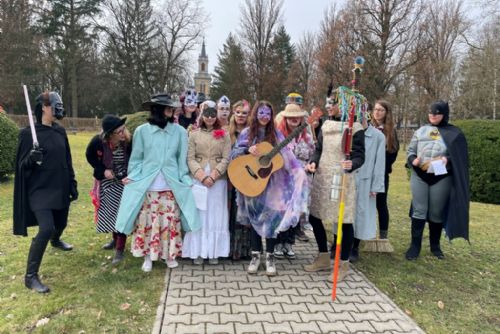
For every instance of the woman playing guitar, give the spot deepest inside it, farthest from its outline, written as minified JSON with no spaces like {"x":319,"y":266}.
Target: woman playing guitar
{"x":279,"y":207}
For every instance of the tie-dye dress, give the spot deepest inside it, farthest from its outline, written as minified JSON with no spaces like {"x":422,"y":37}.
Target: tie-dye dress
{"x":279,"y":207}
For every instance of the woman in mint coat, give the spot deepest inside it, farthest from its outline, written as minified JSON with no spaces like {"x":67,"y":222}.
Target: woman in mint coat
{"x":157,"y":196}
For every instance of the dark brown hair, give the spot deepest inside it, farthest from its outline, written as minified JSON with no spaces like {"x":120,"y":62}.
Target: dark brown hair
{"x":388,"y":124}
{"x":270,"y":133}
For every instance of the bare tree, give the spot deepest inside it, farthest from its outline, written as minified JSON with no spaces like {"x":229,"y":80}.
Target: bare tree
{"x":388,"y":31}
{"x":259,"y":21}
{"x":304,"y":66}
{"x":181,"y":24}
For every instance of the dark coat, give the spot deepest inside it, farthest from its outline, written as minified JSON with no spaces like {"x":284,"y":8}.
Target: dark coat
{"x":100,"y":157}
{"x":45,"y":186}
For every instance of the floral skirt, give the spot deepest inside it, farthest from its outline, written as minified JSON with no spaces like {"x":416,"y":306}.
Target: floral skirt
{"x":158,"y":227}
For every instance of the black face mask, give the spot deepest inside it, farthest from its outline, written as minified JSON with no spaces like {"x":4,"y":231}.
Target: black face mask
{"x":57,"y":105}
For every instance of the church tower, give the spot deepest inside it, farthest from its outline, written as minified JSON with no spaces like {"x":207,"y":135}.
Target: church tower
{"x":202,"y":79}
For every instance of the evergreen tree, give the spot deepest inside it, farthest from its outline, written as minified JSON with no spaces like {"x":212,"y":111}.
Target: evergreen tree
{"x":230,"y":78}
{"x":67,"y":25}
{"x":277,"y":83}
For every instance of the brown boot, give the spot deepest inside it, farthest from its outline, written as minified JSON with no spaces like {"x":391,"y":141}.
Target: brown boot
{"x":343,"y":270}
{"x":321,"y":262}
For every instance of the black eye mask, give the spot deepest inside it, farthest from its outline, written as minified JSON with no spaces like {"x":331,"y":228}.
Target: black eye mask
{"x":210,"y":112}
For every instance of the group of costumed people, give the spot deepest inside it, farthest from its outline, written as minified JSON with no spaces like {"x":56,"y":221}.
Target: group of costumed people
{"x":166,"y":188}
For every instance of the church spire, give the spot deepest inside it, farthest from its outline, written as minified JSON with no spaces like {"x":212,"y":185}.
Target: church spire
{"x":203,"y":52}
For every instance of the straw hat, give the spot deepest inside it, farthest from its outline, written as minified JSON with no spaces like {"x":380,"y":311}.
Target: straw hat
{"x":293,"y":110}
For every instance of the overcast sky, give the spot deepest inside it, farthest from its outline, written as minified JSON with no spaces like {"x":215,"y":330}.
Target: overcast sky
{"x":299,"y":16}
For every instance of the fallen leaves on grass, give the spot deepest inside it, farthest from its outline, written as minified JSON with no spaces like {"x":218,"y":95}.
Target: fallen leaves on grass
{"x":441,"y":305}
{"x":124,"y":306}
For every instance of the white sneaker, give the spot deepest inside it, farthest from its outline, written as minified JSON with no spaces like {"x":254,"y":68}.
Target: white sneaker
{"x":147,"y":265}
{"x":254,"y":265}
{"x":213,"y":261}
{"x":288,"y":251}
{"x":172,"y":263}
{"x":279,"y":251}
{"x":270,"y":266}
{"x":198,"y":260}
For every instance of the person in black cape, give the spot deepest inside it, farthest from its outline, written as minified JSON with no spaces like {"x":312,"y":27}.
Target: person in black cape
{"x":44,"y":185}
{"x":441,"y":200}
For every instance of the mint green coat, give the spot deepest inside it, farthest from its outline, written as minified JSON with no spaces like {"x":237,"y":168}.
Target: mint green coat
{"x":156,"y":150}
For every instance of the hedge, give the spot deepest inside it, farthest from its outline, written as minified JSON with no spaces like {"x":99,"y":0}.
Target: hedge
{"x":8,"y":145}
{"x":483,"y":140}
{"x":136,"y":119}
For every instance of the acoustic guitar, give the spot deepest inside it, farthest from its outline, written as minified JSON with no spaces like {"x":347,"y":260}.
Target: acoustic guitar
{"x":250,"y":174}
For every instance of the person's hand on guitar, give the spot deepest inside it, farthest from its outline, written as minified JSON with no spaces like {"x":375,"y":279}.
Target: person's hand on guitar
{"x":311,"y":167}
{"x":253,"y":150}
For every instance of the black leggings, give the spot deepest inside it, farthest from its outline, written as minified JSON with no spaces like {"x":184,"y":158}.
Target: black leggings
{"x":51,"y":223}
{"x":383,"y":211}
{"x":256,"y":242}
{"x":320,"y":235}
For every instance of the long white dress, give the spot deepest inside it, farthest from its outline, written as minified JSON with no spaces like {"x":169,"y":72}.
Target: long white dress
{"x":212,"y":240}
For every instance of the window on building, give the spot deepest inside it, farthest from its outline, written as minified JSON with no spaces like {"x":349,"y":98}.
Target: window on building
{"x":203,"y":67}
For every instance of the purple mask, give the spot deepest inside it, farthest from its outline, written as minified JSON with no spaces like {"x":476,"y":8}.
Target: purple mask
{"x":264,"y":113}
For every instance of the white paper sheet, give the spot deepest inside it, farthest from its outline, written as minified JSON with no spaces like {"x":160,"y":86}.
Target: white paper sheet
{"x":437,"y":167}
{"x":200,"y":194}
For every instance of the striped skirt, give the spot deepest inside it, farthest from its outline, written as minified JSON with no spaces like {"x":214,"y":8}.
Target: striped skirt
{"x":110,"y":194}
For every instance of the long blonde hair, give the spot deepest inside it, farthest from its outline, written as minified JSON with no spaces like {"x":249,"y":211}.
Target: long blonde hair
{"x":233,"y":128}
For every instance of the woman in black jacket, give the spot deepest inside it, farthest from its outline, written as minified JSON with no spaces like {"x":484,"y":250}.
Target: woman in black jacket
{"x":108,"y":153}
{"x":44,"y":184}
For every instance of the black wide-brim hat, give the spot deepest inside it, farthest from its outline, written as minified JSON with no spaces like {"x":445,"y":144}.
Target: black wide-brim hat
{"x":162,"y":99}
{"x":111,"y":123}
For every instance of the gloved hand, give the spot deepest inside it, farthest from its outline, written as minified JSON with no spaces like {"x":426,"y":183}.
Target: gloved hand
{"x":36,"y":156}
{"x":73,"y":191}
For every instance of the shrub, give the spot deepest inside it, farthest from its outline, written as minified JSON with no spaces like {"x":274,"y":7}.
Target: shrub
{"x":8,"y":145}
{"x":483,"y":139}
{"x":136,"y":119}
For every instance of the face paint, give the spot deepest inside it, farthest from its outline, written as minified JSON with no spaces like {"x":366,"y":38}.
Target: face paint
{"x":223,"y":112}
{"x":264,"y":113}
{"x":240,"y":112}
{"x":330,"y":102}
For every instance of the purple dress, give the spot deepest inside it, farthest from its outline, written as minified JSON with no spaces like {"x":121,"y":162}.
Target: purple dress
{"x":279,"y":207}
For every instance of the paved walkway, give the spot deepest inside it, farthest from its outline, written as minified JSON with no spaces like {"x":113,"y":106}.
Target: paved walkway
{"x":223,"y":298}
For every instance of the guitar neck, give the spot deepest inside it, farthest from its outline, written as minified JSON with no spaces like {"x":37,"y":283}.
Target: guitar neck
{"x":287,"y":140}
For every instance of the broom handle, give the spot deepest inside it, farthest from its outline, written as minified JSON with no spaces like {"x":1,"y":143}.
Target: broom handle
{"x":339,"y":238}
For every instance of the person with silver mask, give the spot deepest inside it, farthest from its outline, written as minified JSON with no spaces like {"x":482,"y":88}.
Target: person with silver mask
{"x":44,"y":184}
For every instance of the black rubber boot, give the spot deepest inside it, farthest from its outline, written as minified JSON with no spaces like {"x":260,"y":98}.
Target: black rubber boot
{"x":56,"y":241}
{"x":383,"y":234}
{"x":35,"y":255}
{"x":109,"y":245}
{"x":435,"y":230}
{"x":417,"y":230}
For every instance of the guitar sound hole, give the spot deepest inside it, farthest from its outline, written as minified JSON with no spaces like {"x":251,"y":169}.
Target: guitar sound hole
{"x":264,"y":172}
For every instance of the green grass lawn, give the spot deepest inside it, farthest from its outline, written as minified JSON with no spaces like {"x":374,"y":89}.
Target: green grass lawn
{"x":89,"y":295}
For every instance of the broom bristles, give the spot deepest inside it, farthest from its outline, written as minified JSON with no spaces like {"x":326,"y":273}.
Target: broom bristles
{"x":370,"y":245}
{"x":384,"y":246}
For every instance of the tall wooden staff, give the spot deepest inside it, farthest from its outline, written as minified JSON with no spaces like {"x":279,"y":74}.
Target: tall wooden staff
{"x":358,"y":64}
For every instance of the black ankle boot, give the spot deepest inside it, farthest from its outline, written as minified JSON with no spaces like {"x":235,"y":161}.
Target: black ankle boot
{"x":354,"y":256}
{"x":109,"y":245}
{"x":435,"y":230}
{"x":35,"y":255}
{"x":417,"y":230}
{"x":33,"y":282}
{"x":58,"y":243}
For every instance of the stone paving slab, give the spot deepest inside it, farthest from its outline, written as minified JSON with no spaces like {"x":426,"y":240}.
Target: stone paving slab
{"x":223,"y":298}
